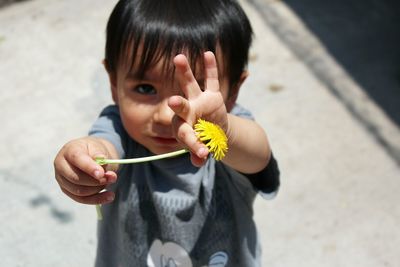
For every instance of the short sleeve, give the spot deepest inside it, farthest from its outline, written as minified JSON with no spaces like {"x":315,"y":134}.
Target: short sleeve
{"x":109,"y":126}
{"x":267,"y":181}
{"x":240,"y":111}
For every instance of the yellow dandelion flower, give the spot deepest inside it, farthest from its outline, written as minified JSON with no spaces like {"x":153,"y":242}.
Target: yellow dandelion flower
{"x":213,"y":137}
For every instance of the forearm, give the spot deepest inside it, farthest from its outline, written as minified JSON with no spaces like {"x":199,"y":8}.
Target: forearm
{"x":249,"y":150}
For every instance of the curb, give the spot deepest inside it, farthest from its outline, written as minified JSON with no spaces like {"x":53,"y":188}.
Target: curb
{"x":312,"y":53}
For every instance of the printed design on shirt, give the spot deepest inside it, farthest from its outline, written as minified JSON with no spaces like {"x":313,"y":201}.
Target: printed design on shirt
{"x":171,"y":254}
{"x":218,"y":259}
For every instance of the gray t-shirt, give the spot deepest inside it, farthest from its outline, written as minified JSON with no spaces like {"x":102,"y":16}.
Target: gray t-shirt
{"x":170,"y":213}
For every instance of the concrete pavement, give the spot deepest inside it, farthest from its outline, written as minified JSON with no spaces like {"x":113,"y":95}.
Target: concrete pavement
{"x":338,"y":201}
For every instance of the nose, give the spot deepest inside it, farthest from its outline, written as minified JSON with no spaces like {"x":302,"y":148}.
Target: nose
{"x":164,"y":113}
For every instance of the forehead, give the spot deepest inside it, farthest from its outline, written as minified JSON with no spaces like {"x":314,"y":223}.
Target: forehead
{"x":138,"y":64}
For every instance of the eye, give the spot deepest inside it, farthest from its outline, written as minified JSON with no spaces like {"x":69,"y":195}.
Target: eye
{"x":145,"y":89}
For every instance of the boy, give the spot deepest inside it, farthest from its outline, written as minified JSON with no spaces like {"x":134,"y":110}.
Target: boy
{"x":190,"y":210}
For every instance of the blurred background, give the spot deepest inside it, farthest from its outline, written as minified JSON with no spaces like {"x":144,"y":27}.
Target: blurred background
{"x":324,"y":83}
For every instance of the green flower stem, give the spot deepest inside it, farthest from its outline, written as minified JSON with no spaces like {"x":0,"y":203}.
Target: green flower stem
{"x":103,"y":161}
{"x":98,"y":211}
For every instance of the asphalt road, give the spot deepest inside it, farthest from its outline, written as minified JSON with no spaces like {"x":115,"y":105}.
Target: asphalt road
{"x":363,"y":36}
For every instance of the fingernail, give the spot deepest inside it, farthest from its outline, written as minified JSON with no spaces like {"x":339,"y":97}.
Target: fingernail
{"x":97,"y":174}
{"x":110,"y":198}
{"x":201,"y":152}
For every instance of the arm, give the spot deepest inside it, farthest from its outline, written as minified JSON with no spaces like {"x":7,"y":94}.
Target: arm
{"x":249,"y":150}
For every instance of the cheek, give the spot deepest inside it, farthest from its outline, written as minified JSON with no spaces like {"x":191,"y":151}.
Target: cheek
{"x":135,"y":120}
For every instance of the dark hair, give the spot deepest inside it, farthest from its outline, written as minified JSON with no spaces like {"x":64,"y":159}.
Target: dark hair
{"x":164,"y":28}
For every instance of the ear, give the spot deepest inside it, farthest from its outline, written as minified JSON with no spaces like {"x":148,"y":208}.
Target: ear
{"x":112,"y":76}
{"x":234,"y":91}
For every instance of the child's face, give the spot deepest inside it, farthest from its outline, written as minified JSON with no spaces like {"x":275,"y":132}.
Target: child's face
{"x":143,"y":105}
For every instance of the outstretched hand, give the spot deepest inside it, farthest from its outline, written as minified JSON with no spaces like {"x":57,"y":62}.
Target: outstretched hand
{"x":207,"y":104}
{"x":79,"y":176}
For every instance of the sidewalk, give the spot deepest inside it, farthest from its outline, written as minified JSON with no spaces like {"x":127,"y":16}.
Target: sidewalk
{"x":338,"y":200}
{"x":338,"y":203}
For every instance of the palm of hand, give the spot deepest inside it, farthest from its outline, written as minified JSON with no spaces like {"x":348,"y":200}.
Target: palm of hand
{"x":208,"y":104}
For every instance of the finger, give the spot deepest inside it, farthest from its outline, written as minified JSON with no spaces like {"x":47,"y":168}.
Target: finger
{"x":81,"y":160}
{"x":78,"y":190}
{"x":196,"y":161}
{"x":181,"y":107}
{"x":185,"y":134}
{"x":76,"y":176}
{"x":211,"y":72}
{"x":99,"y":198}
{"x":111,"y":176}
{"x":185,"y":77}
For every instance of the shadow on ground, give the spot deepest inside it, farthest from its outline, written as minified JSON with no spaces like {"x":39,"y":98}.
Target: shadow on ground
{"x":364,"y":37}
{"x":4,"y":3}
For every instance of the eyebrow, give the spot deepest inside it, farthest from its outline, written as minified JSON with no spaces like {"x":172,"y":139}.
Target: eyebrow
{"x":153,"y":76}
{"x":133,"y":76}
{"x":147,"y":76}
